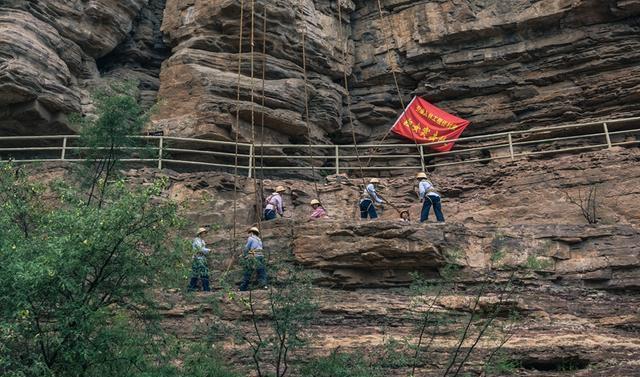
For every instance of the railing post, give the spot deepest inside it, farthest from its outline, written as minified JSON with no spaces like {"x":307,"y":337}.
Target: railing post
{"x":250,"y":159}
{"x":422,"y":157}
{"x":606,"y":134}
{"x":510,"y":146}
{"x":160,"y":146}
{"x":64,"y":148}
{"x":337,"y":160}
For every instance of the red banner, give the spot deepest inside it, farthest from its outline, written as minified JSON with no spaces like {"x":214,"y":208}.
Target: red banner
{"x":425,"y":123}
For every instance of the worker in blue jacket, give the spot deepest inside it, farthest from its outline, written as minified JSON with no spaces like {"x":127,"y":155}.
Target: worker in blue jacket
{"x":429,"y":197}
{"x":254,"y":260}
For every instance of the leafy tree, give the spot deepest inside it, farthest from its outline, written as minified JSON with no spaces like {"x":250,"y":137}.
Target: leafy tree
{"x":74,"y":279}
{"x":106,"y":136}
{"x":291,"y":308}
{"x":78,"y":270}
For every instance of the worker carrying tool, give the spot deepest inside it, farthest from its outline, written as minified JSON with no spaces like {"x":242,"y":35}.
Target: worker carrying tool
{"x":274,"y":204}
{"x":429,"y":196}
{"x":199,"y":268}
{"x":318,"y":210}
{"x":369,"y":196}
{"x":253,"y":258}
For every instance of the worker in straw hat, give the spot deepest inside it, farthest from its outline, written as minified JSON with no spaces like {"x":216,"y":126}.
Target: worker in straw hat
{"x":429,"y":197}
{"x":274,"y":204}
{"x":318,"y":211}
{"x":199,"y":268}
{"x":369,"y":196}
{"x":253,"y":260}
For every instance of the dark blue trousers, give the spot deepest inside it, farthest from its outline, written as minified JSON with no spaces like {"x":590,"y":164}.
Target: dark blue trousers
{"x":193,"y":284}
{"x":258,"y":264}
{"x":269,"y":214}
{"x":367,"y":209}
{"x":426,"y":207}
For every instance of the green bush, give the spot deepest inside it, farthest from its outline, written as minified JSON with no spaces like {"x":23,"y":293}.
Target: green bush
{"x":341,"y":365}
{"x":76,"y":274}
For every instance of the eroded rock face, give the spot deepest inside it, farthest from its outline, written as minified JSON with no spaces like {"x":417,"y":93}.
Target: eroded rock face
{"x":200,"y":81}
{"x":502,"y":65}
{"x":140,"y":56}
{"x":48,"y":51}
{"x":574,"y":291}
{"x":575,"y":285}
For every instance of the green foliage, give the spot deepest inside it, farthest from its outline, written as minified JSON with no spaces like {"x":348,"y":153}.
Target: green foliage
{"x":395,"y":354}
{"x":74,"y":277}
{"x":341,"y":365}
{"x":203,"y":361}
{"x":106,"y":136}
{"x":118,"y":116}
{"x":501,"y":365}
{"x":76,"y":274}
{"x":536,"y":264}
{"x":291,"y":309}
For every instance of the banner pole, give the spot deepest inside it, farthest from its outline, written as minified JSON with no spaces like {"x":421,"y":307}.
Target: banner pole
{"x":422,"y":157}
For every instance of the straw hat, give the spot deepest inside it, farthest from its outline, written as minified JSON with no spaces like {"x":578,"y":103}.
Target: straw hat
{"x":315,"y":201}
{"x":374,"y":180}
{"x":280,"y":189}
{"x":421,"y":175}
{"x":254,"y":230}
{"x":202,"y":230}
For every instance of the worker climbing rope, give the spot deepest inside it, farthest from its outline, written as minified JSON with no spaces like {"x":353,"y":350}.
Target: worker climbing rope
{"x":253,"y":258}
{"x":369,"y":200}
{"x":318,"y":210}
{"x":199,"y":267}
{"x":274,"y":204}
{"x":429,"y":197}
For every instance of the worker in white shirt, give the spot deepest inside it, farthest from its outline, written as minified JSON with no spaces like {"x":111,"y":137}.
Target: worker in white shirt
{"x":429,"y":197}
{"x":369,"y":199}
{"x":274,"y":204}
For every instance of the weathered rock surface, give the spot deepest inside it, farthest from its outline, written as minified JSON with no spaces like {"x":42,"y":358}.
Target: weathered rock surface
{"x":504,"y":67}
{"x":200,"y":81}
{"x":501,"y":65}
{"x":575,"y":293}
{"x":577,"y":284}
{"x":48,"y":51}
{"x":576,"y":290}
{"x":140,"y":56}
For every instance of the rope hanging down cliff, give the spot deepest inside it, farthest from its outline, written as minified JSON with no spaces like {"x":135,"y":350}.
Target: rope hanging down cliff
{"x":395,"y":80}
{"x":306,"y":101}
{"x":343,"y":41}
{"x":235,"y":169}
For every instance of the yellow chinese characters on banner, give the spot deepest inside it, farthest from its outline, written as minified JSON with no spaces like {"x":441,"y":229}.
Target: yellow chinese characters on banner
{"x":427,"y":124}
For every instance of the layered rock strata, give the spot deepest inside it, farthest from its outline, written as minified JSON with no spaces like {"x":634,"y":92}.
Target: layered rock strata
{"x":47,"y":51}
{"x":575,"y":285}
{"x":502,"y":67}
{"x":200,"y":81}
{"x":575,"y":294}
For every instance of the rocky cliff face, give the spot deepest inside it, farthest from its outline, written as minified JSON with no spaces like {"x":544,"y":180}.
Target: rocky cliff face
{"x":502,"y":66}
{"x":48,"y":53}
{"x":576,"y":295}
